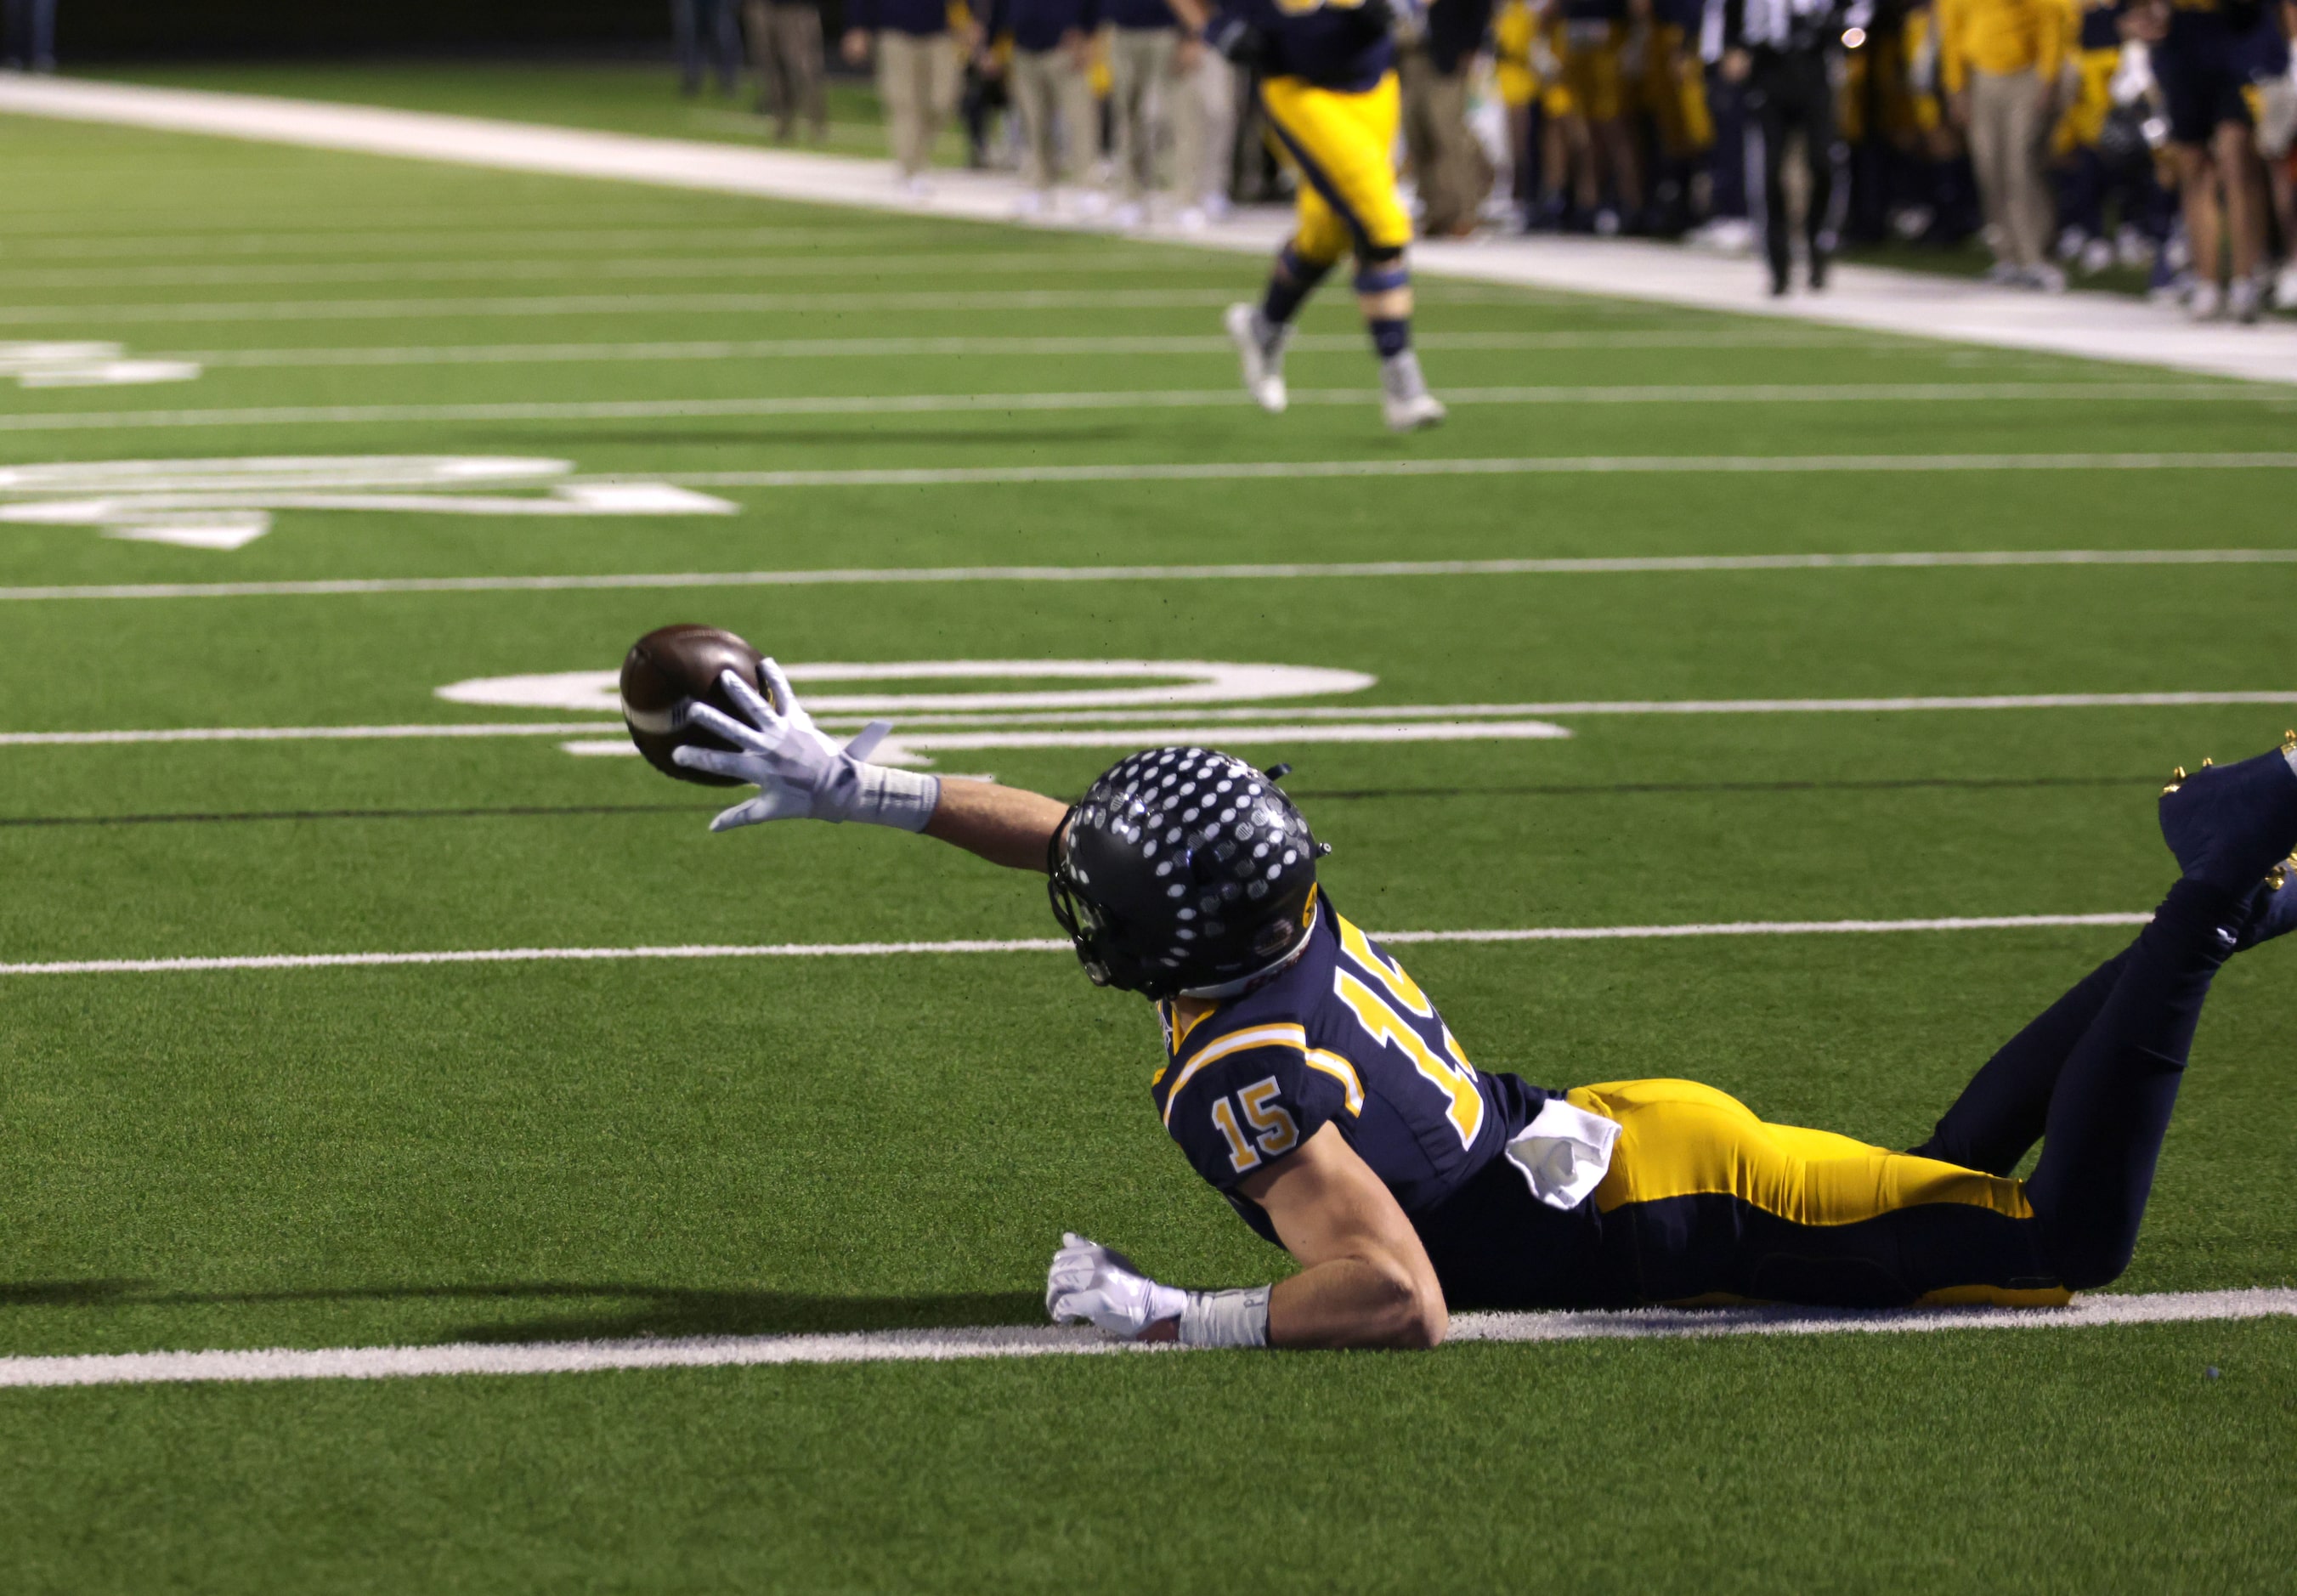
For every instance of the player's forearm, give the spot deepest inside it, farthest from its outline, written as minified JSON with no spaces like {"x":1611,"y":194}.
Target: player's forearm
{"x":1006,"y":825}
{"x":1357,"y":1301}
{"x":1193,"y":15}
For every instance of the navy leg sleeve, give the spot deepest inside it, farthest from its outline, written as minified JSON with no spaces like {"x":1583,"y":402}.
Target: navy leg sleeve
{"x":2000,"y":1114}
{"x":2112,"y":1105}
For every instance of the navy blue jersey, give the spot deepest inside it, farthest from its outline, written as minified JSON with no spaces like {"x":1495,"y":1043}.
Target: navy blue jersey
{"x":1325,"y":43}
{"x":1343,"y":1037}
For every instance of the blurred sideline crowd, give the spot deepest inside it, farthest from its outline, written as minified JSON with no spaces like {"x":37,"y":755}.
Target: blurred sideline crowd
{"x":2073,"y":135}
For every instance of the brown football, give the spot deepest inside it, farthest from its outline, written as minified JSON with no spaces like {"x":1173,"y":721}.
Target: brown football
{"x":665,"y":675}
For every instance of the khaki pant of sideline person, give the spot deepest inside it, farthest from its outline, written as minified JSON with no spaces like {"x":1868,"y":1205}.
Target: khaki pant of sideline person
{"x":785,"y":53}
{"x":1200,"y":105}
{"x":1451,"y":168}
{"x":1054,"y":97}
{"x":917,"y":78}
{"x":2006,"y":135}
{"x":1141,"y":87}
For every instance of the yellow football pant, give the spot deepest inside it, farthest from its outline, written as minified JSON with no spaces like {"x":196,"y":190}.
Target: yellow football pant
{"x":1343,"y":146}
{"x":1704,"y":1183}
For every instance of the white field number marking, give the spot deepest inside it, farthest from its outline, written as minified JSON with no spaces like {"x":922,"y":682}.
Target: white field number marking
{"x":88,"y":366}
{"x":1156,"y":687}
{"x":226,"y":503}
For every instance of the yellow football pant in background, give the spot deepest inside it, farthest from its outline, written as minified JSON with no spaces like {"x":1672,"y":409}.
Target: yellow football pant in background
{"x":1343,"y":146}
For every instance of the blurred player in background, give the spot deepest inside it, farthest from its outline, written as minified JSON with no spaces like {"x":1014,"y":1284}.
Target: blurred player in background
{"x":1328,"y":89}
{"x":2103,"y":156}
{"x":1149,"y":58}
{"x":919,"y":70}
{"x":1051,"y":56}
{"x":1434,"y":54}
{"x":1998,"y":63}
{"x":1667,"y":93}
{"x":1787,"y":54}
{"x":1310,"y":1079}
{"x":28,"y":34}
{"x":704,"y":36}
{"x":1607,"y":179}
{"x":1514,"y":27}
{"x":2204,"y":55}
{"x":785,"y":53}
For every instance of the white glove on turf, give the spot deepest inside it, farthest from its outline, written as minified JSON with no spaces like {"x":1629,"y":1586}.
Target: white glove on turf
{"x":800,"y":772}
{"x":1089,"y":1282}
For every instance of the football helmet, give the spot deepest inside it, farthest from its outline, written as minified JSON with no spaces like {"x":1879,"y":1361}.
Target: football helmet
{"x":1184,"y":870}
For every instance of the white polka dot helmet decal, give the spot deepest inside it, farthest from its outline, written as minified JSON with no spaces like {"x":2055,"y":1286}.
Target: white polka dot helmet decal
{"x":1181,"y":869}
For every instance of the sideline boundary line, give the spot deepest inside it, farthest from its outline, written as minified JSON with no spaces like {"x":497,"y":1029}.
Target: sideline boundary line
{"x":864,"y":576}
{"x":1032,"y":1341}
{"x":1032,"y":944}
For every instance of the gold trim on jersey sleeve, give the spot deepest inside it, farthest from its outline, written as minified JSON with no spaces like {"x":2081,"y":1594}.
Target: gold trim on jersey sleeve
{"x":1340,"y":1070}
{"x":1258,"y":1036}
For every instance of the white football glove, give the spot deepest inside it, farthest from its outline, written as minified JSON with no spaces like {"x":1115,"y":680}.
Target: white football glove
{"x":1089,"y":1282}
{"x":801,"y":773}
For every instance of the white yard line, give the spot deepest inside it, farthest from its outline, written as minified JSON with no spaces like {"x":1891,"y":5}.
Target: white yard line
{"x":1626,"y":564}
{"x":1212,"y":722}
{"x":345,"y":241}
{"x":299,"y":733}
{"x":1015,"y":345}
{"x":1148,"y":398}
{"x":1216,"y":471}
{"x":1463,"y":721}
{"x":623,"y":305}
{"x":1020,"y":1341}
{"x":906,"y":263}
{"x":2098,"y":326}
{"x":1543,"y":934}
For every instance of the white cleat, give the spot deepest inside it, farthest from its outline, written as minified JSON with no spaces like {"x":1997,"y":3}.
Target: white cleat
{"x":1412,"y":412}
{"x":1262,"y":361}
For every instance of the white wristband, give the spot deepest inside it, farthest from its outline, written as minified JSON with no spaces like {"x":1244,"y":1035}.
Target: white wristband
{"x":877,"y":795}
{"x":1225,"y":1318}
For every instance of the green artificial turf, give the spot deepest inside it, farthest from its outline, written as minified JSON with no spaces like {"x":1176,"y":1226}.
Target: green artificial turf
{"x":521,"y":1151}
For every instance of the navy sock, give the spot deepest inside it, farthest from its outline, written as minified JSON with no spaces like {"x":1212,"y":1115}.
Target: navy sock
{"x":1391,"y":336}
{"x":1289,"y":285}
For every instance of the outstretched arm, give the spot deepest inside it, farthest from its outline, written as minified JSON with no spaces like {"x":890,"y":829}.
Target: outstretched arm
{"x":802,"y":773}
{"x":1006,"y":825}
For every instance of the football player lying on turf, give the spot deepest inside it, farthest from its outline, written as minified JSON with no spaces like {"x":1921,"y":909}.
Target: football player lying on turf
{"x":1312,"y":1081}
